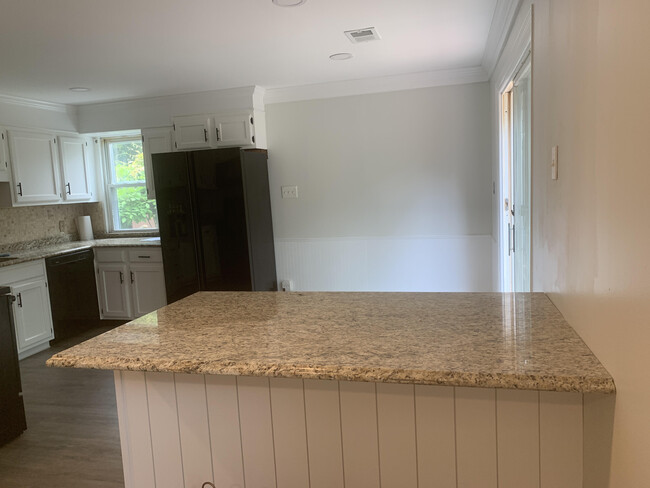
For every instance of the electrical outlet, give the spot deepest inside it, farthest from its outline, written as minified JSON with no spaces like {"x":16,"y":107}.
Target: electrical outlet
{"x":289,"y":192}
{"x":286,"y":285}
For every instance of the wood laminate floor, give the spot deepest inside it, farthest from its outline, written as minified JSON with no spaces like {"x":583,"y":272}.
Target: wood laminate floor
{"x":72,"y":437}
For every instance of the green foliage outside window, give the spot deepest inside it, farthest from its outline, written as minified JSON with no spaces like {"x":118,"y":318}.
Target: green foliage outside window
{"x":134,"y":209}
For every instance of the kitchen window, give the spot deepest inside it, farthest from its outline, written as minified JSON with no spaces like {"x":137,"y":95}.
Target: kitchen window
{"x":126,"y":192}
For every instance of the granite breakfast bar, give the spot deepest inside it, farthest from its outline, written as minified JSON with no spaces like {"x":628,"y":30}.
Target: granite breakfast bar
{"x":349,"y":389}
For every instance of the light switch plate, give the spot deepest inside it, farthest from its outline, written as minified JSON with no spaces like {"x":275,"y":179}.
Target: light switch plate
{"x":289,"y":192}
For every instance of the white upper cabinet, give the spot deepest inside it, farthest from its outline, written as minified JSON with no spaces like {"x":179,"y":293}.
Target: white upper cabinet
{"x":4,"y":156}
{"x":192,"y":132}
{"x":74,"y":155}
{"x":34,"y":167}
{"x":234,"y":130}
{"x":154,"y":141}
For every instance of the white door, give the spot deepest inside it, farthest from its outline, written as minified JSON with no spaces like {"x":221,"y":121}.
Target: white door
{"x":191,"y":132}
{"x":148,"y":285}
{"x":234,"y":130}
{"x":113,"y":288}
{"x":154,"y":141}
{"x":35,"y":167}
{"x":32,"y":314}
{"x":4,"y":156}
{"x":73,"y":152}
{"x":521,"y":181}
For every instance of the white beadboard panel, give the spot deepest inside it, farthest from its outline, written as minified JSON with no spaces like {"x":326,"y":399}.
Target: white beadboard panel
{"x":133,"y":411}
{"x":476,"y":437}
{"x":518,"y":438}
{"x":360,"y":436}
{"x":322,"y":410}
{"x":256,"y":431}
{"x":165,"y":437}
{"x":289,"y":432}
{"x":194,"y":429}
{"x":397,"y":438}
{"x":428,"y":264}
{"x":436,"y":436}
{"x":561,"y":437}
{"x":225,"y":435}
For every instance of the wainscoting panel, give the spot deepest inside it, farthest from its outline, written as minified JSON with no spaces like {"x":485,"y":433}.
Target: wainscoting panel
{"x":257,"y":432}
{"x":445,"y":263}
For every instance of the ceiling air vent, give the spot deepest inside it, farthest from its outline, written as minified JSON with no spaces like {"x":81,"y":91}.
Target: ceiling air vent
{"x":362,"y":35}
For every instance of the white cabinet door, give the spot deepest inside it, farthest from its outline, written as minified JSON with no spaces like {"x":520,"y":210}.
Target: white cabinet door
{"x":113,"y":289}
{"x":73,"y":152}
{"x":4,"y":156}
{"x":32,"y":313}
{"x":148,"y":285}
{"x":192,"y":132}
{"x":35,"y":167}
{"x":234,"y":129}
{"x":154,"y":141}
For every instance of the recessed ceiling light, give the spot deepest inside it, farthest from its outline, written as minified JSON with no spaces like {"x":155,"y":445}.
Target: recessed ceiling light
{"x":79,"y":89}
{"x":288,"y":3}
{"x":340,"y":56}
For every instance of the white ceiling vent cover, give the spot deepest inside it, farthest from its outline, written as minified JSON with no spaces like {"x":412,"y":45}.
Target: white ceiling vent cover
{"x":362,"y":35}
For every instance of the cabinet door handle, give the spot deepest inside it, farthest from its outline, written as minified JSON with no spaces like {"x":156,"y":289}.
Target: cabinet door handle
{"x":205,"y":134}
{"x":121,"y":277}
{"x":20,"y":300}
{"x":132,"y":278}
{"x":218,"y":135}
{"x":20,"y":189}
{"x":144,"y":257}
{"x":69,"y":192}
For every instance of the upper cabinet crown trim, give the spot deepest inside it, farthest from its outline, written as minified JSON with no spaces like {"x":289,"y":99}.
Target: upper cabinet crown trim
{"x":27,"y":102}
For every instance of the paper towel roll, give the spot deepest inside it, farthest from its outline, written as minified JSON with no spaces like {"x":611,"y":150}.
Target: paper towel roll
{"x":85,"y":228}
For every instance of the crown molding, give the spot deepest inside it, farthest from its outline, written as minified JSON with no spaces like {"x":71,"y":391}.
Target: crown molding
{"x":376,"y":85}
{"x":38,"y":104}
{"x":505,"y":13}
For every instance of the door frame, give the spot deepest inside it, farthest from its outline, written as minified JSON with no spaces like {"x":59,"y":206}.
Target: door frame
{"x":504,"y":176}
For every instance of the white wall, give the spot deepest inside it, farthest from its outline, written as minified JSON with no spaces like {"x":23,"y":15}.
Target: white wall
{"x":394,"y":190}
{"x":591,"y":247}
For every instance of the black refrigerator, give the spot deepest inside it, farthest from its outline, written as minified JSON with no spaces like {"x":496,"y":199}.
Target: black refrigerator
{"x":214,"y":214}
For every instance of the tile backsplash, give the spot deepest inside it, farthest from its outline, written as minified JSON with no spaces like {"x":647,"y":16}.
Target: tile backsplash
{"x":22,"y":224}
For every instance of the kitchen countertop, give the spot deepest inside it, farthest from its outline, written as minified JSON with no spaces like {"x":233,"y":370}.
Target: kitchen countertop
{"x":516,"y":341}
{"x":47,"y":251}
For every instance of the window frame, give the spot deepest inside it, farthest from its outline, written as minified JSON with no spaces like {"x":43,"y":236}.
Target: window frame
{"x":111,"y":203}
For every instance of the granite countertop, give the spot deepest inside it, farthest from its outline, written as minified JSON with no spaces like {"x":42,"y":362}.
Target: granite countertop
{"x":40,"y":252}
{"x":460,"y":339}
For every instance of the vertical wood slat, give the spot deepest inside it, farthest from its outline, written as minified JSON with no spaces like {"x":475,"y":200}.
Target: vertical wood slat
{"x":195,"y":437}
{"x":324,"y":434}
{"x":225,"y":434}
{"x":436,"y":436}
{"x":561,"y":436}
{"x":289,"y":432}
{"x":518,"y":438}
{"x":133,"y":413}
{"x":359,"y":434}
{"x":397,"y":439}
{"x":165,"y":437}
{"x":256,"y":431}
{"x":476,"y":437}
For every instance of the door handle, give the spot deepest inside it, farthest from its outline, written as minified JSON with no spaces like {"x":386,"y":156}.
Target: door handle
{"x":513,"y":238}
{"x":509,"y":238}
{"x":121,"y":277}
{"x":132,"y":278}
{"x":20,"y":300}
{"x":20,"y":189}
{"x":69,"y":192}
{"x":205,"y":134}
{"x":218,"y":135}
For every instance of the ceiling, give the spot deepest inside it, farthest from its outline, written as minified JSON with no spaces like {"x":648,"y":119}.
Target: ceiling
{"x":125,"y":49}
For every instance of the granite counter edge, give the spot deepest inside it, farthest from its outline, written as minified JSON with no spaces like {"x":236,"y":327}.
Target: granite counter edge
{"x":520,"y":381}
